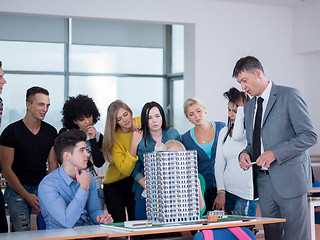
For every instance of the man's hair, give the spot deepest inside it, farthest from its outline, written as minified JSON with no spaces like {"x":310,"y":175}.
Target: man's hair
{"x":0,"y":64}
{"x":76,"y":107}
{"x":31,"y":92}
{"x":67,"y":141}
{"x":248,"y":63}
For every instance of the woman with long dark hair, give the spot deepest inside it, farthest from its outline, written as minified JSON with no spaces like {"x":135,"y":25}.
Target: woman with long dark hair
{"x":155,"y":135}
{"x":235,"y":186}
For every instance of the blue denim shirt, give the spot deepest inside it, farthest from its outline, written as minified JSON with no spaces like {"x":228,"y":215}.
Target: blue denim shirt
{"x":138,"y":171}
{"x":64,"y":204}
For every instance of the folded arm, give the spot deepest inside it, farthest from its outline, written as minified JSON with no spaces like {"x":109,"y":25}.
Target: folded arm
{"x":123,"y":159}
{"x":238,"y":133}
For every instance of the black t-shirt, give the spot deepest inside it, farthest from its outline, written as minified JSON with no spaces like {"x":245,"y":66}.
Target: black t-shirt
{"x":30,"y":151}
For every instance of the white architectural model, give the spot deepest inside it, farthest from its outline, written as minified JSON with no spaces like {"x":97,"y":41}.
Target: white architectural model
{"x":171,"y":186}
{"x":219,"y":213}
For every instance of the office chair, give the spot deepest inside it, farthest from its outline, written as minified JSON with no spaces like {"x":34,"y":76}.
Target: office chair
{"x":41,"y":222}
{"x":317,"y":213}
{"x":140,"y":210}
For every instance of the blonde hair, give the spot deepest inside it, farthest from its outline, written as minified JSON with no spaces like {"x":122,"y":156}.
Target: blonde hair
{"x":189,"y":102}
{"x":111,"y":127}
{"x":173,"y":143}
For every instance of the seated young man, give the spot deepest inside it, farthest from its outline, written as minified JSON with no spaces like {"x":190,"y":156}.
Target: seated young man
{"x":68,"y":195}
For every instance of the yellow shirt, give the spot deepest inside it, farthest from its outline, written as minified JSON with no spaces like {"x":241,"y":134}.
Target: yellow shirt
{"x":123,"y":162}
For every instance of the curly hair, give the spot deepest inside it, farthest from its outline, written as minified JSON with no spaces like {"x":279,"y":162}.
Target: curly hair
{"x":76,"y":107}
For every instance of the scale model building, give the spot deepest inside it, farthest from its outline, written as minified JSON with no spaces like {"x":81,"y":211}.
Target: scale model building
{"x":171,"y":186}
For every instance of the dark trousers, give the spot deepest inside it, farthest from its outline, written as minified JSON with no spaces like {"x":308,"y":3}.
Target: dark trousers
{"x":294,"y":210}
{"x":209,"y":197}
{"x":3,"y":218}
{"x":119,"y":196}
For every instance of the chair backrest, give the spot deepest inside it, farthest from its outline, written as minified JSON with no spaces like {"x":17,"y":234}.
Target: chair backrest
{"x":140,"y":210}
{"x":225,"y":234}
{"x":41,"y":222}
{"x":316,"y":183}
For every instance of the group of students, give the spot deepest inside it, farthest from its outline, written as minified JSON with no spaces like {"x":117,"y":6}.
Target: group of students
{"x":124,"y":181}
{"x":247,"y":142}
{"x":228,"y":188}
{"x":126,"y":139}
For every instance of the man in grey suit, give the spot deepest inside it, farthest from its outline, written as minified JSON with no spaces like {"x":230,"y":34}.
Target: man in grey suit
{"x":281,"y":131}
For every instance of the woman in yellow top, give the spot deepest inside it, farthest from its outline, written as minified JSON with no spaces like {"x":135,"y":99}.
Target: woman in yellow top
{"x":122,"y":136}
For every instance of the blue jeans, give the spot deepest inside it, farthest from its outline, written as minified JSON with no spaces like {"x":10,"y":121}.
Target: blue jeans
{"x":3,"y":217}
{"x":238,"y":206}
{"x":19,"y":209}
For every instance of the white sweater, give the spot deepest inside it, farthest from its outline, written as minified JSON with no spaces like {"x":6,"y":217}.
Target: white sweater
{"x":239,"y":134}
{"x":229,"y":175}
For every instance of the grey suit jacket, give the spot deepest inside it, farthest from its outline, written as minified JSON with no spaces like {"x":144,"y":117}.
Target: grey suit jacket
{"x":288,"y":131}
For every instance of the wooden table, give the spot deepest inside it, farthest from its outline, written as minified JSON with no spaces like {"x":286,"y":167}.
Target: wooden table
{"x":73,"y":233}
{"x":181,"y":228}
{"x":314,"y":190}
{"x":112,"y":232}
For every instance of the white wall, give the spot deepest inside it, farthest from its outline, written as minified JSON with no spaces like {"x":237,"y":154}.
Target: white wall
{"x":306,"y":25}
{"x":306,"y":42}
{"x":312,"y":86}
{"x":217,"y":35}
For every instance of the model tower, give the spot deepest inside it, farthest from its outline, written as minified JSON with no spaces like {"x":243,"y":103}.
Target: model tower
{"x":171,"y":186}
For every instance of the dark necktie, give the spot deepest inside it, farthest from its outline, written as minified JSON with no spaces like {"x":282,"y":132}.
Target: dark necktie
{"x":256,"y":145}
